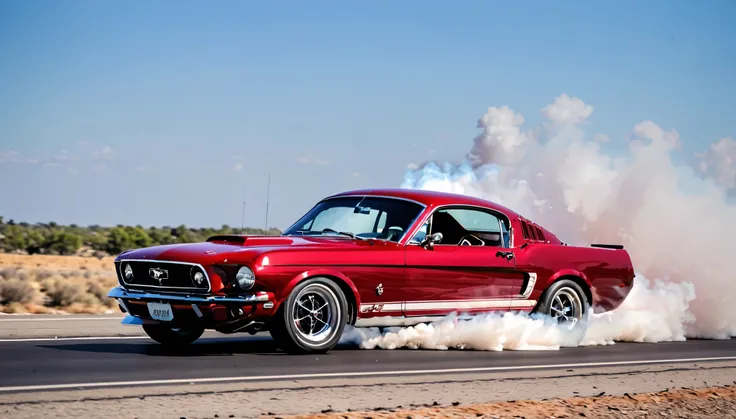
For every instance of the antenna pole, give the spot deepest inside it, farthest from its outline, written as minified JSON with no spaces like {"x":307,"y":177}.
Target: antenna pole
{"x":242,"y":217}
{"x":268,"y":195}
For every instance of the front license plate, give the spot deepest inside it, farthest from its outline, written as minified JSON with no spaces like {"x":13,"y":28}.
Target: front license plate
{"x":161,"y":311}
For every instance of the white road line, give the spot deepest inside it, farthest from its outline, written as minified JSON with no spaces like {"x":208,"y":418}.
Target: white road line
{"x":352,"y":374}
{"x":57,"y":319}
{"x":71,"y":338}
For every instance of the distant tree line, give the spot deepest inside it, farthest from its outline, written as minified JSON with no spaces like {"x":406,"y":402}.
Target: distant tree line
{"x":51,"y":238}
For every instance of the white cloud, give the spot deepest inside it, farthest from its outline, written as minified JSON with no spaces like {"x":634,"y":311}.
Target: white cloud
{"x":238,"y":167}
{"x":64,"y":156}
{"x":601,"y":138}
{"x":356,"y":174}
{"x":566,"y":110}
{"x":104,"y":153}
{"x":10,"y":156}
{"x":502,"y":140}
{"x":655,"y":133}
{"x":99,"y":167}
{"x":311,"y":161}
{"x":719,"y":162}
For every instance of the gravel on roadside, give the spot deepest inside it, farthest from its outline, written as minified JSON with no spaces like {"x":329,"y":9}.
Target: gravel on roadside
{"x":711,"y":402}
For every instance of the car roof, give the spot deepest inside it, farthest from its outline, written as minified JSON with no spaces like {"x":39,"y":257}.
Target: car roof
{"x":430,"y":198}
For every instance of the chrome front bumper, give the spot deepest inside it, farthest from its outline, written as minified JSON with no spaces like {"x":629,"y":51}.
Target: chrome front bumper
{"x":121,"y":293}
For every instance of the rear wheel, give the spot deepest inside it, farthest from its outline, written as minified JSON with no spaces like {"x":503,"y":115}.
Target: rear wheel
{"x":312,"y":318}
{"x":565,"y":302}
{"x":170,"y":336}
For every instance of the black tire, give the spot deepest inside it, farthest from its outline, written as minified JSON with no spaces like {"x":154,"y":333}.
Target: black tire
{"x":314,"y":293}
{"x":166,"y":335}
{"x":560,"y":296}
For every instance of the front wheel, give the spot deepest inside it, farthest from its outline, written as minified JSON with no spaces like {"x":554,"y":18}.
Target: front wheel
{"x":312,"y":318}
{"x":174,"y":337}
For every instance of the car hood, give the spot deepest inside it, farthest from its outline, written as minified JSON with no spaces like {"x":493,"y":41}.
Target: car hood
{"x":224,"y":249}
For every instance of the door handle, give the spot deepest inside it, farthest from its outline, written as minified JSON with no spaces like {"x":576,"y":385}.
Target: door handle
{"x":507,"y":255}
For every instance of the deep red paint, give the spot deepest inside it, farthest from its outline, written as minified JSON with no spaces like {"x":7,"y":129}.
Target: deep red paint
{"x":409,"y":272}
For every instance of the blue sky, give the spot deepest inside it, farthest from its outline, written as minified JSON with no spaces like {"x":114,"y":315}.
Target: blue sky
{"x":167,"y":113}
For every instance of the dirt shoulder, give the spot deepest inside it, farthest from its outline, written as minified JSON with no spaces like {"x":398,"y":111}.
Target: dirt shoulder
{"x":710,"y":402}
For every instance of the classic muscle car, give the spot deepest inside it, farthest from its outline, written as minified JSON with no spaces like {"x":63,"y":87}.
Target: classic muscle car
{"x":383,"y":257}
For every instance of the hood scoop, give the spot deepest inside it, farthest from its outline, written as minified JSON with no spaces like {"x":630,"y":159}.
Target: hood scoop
{"x":227,"y":239}
{"x":236,"y":240}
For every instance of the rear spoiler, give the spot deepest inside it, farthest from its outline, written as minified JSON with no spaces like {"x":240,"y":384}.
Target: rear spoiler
{"x":608,"y":246}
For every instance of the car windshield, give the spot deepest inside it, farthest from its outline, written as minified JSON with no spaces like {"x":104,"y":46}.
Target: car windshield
{"x":358,"y":217}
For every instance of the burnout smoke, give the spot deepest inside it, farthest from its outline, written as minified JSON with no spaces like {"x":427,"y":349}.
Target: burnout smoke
{"x":674,"y":219}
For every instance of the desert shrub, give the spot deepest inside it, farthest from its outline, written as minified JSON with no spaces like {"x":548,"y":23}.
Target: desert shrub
{"x":42,"y":274}
{"x":64,"y":293}
{"x":16,"y":291}
{"x":9,"y":273}
{"x":97,"y":290}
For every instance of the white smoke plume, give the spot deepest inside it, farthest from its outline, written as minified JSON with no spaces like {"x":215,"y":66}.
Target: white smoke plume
{"x":675,"y":221}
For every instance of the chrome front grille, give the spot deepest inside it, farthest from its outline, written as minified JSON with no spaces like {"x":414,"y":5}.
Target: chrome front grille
{"x":163,"y":276}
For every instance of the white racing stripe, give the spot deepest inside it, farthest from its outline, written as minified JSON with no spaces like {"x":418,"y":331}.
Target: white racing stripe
{"x":352,"y":374}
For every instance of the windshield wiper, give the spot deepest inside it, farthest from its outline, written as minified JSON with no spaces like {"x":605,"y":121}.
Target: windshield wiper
{"x":344,"y":233}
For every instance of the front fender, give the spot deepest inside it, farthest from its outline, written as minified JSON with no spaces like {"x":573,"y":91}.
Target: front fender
{"x":322,"y":272}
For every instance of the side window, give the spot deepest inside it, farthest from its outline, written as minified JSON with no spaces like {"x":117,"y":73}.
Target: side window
{"x":475,"y":220}
{"x":469,"y":227}
{"x":420,"y":234}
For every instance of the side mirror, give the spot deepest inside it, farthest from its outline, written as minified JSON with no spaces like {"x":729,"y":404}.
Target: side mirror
{"x":430,"y":240}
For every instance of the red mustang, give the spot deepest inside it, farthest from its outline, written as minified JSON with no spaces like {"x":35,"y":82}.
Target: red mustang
{"x":383,"y":257}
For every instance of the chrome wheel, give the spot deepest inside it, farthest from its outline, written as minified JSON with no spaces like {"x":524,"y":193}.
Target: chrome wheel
{"x":315,"y":313}
{"x":566,"y":306}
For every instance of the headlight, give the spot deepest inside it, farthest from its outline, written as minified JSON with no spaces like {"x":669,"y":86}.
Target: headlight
{"x":128,"y":272}
{"x":245,"y":278}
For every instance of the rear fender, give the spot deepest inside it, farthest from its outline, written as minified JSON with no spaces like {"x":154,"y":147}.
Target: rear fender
{"x":568,"y":272}
{"x":573,"y":273}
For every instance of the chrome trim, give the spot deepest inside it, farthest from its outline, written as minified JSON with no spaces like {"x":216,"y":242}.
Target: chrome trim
{"x":373,"y":196}
{"x":530,"y":285}
{"x":402,"y":241}
{"x":162,"y":287}
{"x":268,"y":305}
{"x":122,"y":303}
{"x":464,"y":206}
{"x":388,"y":321}
{"x":120,"y":292}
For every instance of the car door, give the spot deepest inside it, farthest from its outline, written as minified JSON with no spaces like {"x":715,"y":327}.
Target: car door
{"x":469,"y":270}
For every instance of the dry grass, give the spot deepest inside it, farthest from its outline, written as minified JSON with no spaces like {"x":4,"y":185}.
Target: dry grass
{"x":53,"y":284}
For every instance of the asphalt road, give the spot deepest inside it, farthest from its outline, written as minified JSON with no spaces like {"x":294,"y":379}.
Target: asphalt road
{"x":98,"y":362}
